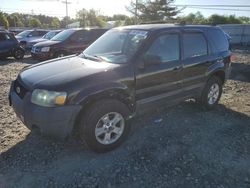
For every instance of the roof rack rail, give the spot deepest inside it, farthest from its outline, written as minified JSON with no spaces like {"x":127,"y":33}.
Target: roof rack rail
{"x":157,"y":22}
{"x":181,"y":23}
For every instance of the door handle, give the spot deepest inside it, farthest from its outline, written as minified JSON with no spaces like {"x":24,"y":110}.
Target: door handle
{"x":177,"y":68}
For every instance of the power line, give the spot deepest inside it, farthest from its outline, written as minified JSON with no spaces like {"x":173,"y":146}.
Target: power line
{"x":243,"y":10}
{"x":27,"y":11}
{"x":234,"y":6}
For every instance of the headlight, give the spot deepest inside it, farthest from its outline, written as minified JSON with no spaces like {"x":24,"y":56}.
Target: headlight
{"x":45,"y":49}
{"x":48,"y":98}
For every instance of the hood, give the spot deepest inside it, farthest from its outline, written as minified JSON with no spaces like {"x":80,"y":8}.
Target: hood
{"x":54,"y":74}
{"x":18,"y":37}
{"x":47,"y":43}
{"x":38,"y":40}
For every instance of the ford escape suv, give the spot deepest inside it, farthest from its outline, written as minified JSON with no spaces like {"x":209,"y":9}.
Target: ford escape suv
{"x":126,"y":70}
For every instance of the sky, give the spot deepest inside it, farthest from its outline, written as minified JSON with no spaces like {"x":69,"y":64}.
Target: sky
{"x":110,"y":7}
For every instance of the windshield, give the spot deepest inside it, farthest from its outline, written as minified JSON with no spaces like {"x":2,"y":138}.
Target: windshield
{"x":50,"y":35}
{"x":116,"y":46}
{"x":63,"y":35}
{"x":24,"y":33}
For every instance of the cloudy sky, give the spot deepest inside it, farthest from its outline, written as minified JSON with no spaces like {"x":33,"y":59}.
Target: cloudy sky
{"x":110,"y":7}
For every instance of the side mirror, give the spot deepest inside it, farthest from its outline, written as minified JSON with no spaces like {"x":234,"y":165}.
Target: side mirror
{"x":29,"y":35}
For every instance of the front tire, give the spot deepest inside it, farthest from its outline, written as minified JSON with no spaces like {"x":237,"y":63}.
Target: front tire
{"x":103,"y":126}
{"x":18,"y":54}
{"x":212,"y":92}
{"x":59,"y":54}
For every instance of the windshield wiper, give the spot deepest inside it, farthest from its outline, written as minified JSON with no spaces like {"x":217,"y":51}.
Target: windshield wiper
{"x":93,"y":57}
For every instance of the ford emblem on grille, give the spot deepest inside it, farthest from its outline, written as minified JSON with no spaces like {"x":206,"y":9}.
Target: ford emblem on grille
{"x":18,"y":90}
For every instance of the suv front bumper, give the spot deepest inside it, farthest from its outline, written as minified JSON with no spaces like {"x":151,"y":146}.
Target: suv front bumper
{"x":41,"y":55}
{"x":52,"y":121}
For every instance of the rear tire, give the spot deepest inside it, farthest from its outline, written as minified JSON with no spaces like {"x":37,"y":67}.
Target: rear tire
{"x":103,"y":126}
{"x":211,"y":93}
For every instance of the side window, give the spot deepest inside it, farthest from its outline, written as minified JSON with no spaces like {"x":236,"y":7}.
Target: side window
{"x":34,"y":34}
{"x":165,"y":48}
{"x":7,"y":37}
{"x":41,"y":33}
{"x":194,"y":44}
{"x":80,"y":36}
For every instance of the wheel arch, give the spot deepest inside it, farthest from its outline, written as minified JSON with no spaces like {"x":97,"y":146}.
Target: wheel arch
{"x":220,"y":73}
{"x":115,"y":93}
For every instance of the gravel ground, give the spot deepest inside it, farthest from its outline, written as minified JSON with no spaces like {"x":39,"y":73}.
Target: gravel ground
{"x":181,"y":146}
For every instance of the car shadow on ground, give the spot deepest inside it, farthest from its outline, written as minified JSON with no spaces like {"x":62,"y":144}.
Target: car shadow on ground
{"x":165,"y":145}
{"x":240,"y":72}
{"x":27,"y":60}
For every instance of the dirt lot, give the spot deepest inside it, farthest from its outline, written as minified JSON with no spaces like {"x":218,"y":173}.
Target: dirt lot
{"x":182,"y":146}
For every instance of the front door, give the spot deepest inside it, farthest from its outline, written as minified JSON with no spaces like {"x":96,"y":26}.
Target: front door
{"x":160,"y":78}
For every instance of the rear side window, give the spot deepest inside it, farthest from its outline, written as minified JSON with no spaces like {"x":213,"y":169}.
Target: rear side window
{"x":194,"y":44}
{"x":81,"y":36}
{"x":2,"y":37}
{"x":165,"y":48}
{"x":218,"y":40}
{"x":95,"y":34}
{"x":41,"y":33}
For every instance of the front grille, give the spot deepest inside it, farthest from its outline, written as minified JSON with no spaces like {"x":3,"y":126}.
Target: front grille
{"x":19,"y":89}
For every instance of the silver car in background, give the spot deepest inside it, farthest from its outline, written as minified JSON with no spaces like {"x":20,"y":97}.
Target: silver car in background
{"x":45,"y":37}
{"x":29,"y":35}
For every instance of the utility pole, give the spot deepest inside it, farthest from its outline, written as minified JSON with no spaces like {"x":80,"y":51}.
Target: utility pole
{"x":136,"y":11}
{"x":67,"y":15}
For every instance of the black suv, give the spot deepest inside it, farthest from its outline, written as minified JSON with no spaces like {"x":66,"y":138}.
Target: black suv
{"x":9,"y":46}
{"x":126,"y":70}
{"x":67,"y":42}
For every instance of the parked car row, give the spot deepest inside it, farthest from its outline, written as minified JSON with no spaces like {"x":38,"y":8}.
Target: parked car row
{"x":44,"y":44}
{"x":67,"y":42}
{"x":45,"y":37}
{"x":30,"y":35}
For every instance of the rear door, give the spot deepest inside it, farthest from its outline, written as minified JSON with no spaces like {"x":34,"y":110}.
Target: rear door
{"x":160,"y":78}
{"x":195,"y":59}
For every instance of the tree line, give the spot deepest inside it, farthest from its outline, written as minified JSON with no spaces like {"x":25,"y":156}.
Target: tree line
{"x":144,"y":11}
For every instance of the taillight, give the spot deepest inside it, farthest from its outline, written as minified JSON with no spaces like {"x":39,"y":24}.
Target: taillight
{"x":232,"y":57}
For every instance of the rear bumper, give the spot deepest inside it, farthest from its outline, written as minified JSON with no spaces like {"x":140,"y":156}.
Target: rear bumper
{"x":54,"y":121}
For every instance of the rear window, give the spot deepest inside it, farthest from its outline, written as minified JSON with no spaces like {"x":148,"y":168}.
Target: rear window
{"x":2,"y":37}
{"x":194,"y":45}
{"x":218,"y":40}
